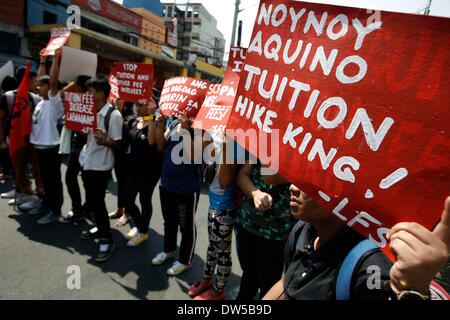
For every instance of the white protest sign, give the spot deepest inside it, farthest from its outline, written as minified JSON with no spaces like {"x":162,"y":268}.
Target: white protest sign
{"x":75,"y":62}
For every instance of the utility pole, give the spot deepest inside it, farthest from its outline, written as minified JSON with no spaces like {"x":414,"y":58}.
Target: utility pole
{"x":239,"y":33}
{"x":427,"y":9}
{"x":236,"y":12}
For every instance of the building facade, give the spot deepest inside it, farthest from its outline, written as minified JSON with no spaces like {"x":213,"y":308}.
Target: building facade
{"x":198,"y":36}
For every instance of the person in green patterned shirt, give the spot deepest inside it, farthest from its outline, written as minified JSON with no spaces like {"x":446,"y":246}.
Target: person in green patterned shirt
{"x":263,"y":224}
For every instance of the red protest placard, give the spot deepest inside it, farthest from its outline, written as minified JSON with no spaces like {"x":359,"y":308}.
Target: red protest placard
{"x":356,"y":106}
{"x":134,"y":81}
{"x":114,"y":93}
{"x":216,"y":109}
{"x":80,"y":112}
{"x":59,"y":37}
{"x":236,"y":59}
{"x":183,"y":94}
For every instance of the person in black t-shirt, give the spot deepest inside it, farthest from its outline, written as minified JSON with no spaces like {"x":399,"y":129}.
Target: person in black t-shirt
{"x":312,"y":264}
{"x":145,"y":165}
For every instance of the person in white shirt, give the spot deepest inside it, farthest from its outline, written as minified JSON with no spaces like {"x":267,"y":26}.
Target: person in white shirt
{"x":97,"y":160}
{"x":45,"y":139}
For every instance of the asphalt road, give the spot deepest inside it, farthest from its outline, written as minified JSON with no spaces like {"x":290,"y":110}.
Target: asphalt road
{"x":36,"y":260}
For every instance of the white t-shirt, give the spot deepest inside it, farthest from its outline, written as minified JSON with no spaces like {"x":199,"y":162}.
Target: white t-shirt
{"x":44,"y":131}
{"x":98,"y":157}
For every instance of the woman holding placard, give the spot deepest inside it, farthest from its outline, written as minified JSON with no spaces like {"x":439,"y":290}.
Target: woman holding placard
{"x":144,"y":171}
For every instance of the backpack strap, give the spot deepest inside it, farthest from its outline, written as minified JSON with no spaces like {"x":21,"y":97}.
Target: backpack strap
{"x":344,"y":279}
{"x":108,"y":117}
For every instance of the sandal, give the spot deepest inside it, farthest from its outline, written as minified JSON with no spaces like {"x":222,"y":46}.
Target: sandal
{"x":122,"y":221}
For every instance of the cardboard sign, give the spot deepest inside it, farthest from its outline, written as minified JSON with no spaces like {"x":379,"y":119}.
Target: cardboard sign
{"x":183,"y":94}
{"x":356,"y":107}
{"x":80,"y":112}
{"x":236,"y":59}
{"x":76,"y":62}
{"x":114,"y":93}
{"x":216,"y":109}
{"x":59,"y":37}
{"x":7,"y":70}
{"x":135,"y":81}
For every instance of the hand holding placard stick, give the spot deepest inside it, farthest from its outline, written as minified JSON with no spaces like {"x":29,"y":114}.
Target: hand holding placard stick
{"x":356,"y":107}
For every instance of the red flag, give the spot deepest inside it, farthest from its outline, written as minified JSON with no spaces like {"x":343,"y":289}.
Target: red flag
{"x":21,"y":118}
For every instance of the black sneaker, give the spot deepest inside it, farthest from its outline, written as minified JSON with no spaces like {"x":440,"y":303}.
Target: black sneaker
{"x":105,"y":251}
{"x":90,"y":234}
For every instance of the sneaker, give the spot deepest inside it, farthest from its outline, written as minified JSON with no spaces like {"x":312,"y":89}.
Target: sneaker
{"x":38,"y":210}
{"x":207,"y":295}
{"x":71,"y":217}
{"x":105,"y":251}
{"x":137,"y":239}
{"x":178,"y":268}
{"x":199,"y":287}
{"x":162,"y":257}
{"x":131,"y":233}
{"x":33,"y":202}
{"x":90,"y":234}
{"x":50,"y":217}
{"x":18,"y":200}
{"x":8,"y":195}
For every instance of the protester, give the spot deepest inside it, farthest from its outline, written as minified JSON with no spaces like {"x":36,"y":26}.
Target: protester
{"x":22,"y":195}
{"x":179,"y":191}
{"x":319,"y":243}
{"x":121,"y":163}
{"x":222,"y":214}
{"x":144,"y":172}
{"x":77,"y":141}
{"x":8,"y":84}
{"x":45,"y":139}
{"x":97,"y":161}
{"x":263,"y":224}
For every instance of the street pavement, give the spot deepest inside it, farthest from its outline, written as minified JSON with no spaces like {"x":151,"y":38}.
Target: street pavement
{"x":36,"y":260}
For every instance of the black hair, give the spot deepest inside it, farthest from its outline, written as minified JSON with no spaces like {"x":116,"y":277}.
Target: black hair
{"x":44,"y":79}
{"x":20,"y":72}
{"x":127,"y":109}
{"x":9,"y":83}
{"x":81,"y":82}
{"x":99,"y":84}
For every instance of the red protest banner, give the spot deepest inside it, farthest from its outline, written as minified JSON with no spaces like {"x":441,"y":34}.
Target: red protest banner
{"x":357,"y":105}
{"x":216,"y":108}
{"x":59,"y":37}
{"x":114,"y":93}
{"x":80,"y":112}
{"x":236,"y":59}
{"x":135,"y":81}
{"x":183,"y":94}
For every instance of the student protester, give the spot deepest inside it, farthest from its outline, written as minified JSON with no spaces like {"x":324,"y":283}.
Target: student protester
{"x":121,"y":163}
{"x":77,"y":141}
{"x":145,"y":164}
{"x":45,"y":139}
{"x":222,"y":214}
{"x":97,"y":161}
{"x":22,"y":195}
{"x":262,"y":227}
{"x":319,"y":243}
{"x":8,"y":84}
{"x":179,"y":191}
